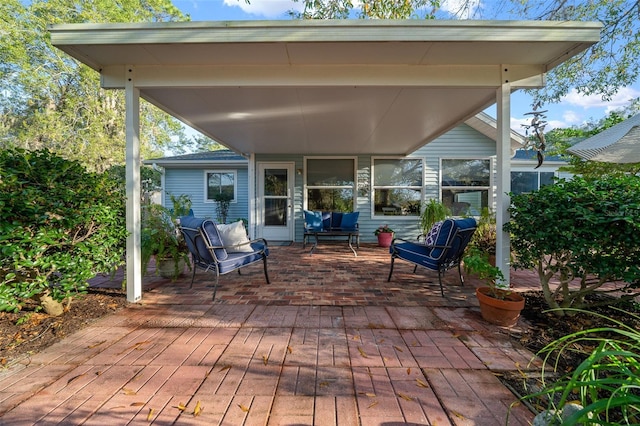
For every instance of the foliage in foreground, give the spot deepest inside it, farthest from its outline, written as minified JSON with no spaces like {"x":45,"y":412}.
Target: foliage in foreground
{"x":606,"y":385}
{"x":59,"y":226}
{"x":585,"y":231}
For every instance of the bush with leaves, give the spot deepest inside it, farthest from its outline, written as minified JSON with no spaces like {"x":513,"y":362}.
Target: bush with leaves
{"x":585,"y":231}
{"x":59,"y":227}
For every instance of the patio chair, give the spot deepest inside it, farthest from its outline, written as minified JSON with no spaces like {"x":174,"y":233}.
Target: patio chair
{"x":442,"y":249}
{"x":211,"y":253}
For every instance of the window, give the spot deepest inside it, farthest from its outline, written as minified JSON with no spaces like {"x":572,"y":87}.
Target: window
{"x":397,"y":186}
{"x":330,"y":184}
{"x":465,"y":185}
{"x":220,"y":182}
{"x":529,"y":181}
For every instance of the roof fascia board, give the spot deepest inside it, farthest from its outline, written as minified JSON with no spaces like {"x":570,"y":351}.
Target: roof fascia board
{"x":323,"y":31}
{"x":209,"y":163}
{"x":114,"y":77}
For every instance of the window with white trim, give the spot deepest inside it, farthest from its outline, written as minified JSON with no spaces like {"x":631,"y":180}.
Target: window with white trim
{"x":330,"y":184}
{"x":527,"y":181}
{"x":397,"y":186}
{"x":220,"y":182}
{"x":465,"y":185}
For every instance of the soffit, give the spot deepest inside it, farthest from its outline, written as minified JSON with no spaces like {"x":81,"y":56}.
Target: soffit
{"x":324,"y":87}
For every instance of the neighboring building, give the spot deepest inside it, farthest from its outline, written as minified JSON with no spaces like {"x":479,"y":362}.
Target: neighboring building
{"x":457,"y":168}
{"x":618,"y":144}
{"x":525,"y":177}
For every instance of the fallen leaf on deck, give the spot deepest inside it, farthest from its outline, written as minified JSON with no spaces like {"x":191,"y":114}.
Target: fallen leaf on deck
{"x":75,"y":378}
{"x":96,"y":344}
{"x":138,"y":404}
{"x":290,"y":349}
{"x":421,"y":383}
{"x":405,"y":397}
{"x":181,"y":407}
{"x":129,"y":391}
{"x":243,"y":408}
{"x":398,"y":348}
{"x":150,"y":415}
{"x":197,"y":410}
{"x":265,"y":359}
{"x":364,"y":355}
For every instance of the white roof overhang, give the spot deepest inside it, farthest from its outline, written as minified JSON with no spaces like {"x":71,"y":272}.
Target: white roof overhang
{"x":324,"y":87}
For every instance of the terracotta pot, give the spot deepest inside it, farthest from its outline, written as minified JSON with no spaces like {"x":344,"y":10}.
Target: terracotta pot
{"x":385,"y":238}
{"x":500,"y":312}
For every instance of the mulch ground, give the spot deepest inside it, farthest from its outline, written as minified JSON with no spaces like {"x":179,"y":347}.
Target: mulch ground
{"x":28,"y":331}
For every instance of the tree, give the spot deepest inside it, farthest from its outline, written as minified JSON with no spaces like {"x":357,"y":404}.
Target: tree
{"x":585,"y":229}
{"x":50,"y":101}
{"x":603,"y":69}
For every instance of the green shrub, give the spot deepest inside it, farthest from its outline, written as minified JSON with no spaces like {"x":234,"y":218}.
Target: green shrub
{"x":585,"y":231}
{"x":59,"y":226}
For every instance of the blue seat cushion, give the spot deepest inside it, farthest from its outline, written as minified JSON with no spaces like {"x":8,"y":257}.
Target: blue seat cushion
{"x":313,"y":220}
{"x":326,"y":220}
{"x":336,"y":220}
{"x":350,"y":221}
{"x":416,"y":253}
{"x":237,"y":260}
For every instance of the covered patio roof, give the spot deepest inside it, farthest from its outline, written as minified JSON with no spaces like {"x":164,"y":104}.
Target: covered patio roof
{"x":324,"y":87}
{"x":321,"y":87}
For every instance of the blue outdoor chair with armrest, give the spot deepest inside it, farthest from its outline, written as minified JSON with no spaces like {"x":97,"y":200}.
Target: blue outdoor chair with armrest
{"x":209,"y":252}
{"x":442,"y":249}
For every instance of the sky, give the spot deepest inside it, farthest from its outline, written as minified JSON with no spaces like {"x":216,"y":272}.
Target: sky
{"x":573,"y":110}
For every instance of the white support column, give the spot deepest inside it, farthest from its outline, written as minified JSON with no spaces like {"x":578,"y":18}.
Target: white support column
{"x":132,"y":126}
{"x":503,"y":178}
{"x":251,"y":172}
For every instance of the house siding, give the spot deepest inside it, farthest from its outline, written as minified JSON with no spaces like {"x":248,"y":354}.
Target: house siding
{"x":191,"y":181}
{"x":460,"y":142}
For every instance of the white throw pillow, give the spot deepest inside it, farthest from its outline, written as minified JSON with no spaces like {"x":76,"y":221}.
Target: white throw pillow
{"x":232,"y":235}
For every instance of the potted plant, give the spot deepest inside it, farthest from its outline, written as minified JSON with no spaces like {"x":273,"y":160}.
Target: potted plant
{"x":384,"y":234}
{"x":484,"y":239}
{"x":160,"y":238}
{"x":433,"y":211}
{"x":498,"y":304}
{"x":223,"y":201}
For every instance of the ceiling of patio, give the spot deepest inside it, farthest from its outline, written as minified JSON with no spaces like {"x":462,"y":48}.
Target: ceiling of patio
{"x":324,"y":87}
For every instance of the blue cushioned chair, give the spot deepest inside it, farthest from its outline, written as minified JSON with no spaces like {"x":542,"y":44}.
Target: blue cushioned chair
{"x":209,"y":252}
{"x":442,"y":249}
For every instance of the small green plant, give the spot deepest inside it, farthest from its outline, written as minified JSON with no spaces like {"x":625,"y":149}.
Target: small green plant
{"x":485,"y":236}
{"x":606,"y":385}
{"x":432,"y":212}
{"x":223,"y":201}
{"x":477,"y":262}
{"x":383,"y":229}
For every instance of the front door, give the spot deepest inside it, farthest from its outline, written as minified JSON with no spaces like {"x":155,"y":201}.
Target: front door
{"x":275,"y":198}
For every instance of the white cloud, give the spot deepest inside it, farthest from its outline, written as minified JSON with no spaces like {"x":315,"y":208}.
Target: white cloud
{"x":619,"y":100}
{"x":461,"y":9}
{"x":270,"y":9}
{"x":571,"y":117}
